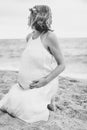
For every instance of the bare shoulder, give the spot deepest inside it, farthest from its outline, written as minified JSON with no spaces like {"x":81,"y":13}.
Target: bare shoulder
{"x":51,"y":35}
{"x":52,"y":39}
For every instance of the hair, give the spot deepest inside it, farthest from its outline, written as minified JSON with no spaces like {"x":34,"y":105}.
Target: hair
{"x":41,"y":18}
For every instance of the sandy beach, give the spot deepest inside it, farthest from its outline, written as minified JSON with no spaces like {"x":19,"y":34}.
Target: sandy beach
{"x":70,"y":103}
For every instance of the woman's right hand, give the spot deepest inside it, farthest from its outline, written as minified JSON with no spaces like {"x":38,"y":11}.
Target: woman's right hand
{"x":31,"y":85}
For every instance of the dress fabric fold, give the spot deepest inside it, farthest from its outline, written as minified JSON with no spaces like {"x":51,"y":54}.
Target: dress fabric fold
{"x":30,"y":105}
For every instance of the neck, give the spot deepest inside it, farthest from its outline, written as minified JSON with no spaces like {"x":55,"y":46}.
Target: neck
{"x":35,"y":35}
{"x":43,"y":36}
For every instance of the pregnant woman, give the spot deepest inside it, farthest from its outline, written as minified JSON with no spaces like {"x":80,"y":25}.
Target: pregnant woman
{"x":41,"y":63}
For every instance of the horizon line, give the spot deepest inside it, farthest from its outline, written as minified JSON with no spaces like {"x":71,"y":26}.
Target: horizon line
{"x":58,"y":37}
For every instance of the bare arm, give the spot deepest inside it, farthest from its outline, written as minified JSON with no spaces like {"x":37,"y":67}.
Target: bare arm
{"x":53,"y":44}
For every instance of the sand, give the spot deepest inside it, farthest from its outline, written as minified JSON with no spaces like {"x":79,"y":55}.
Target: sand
{"x":70,"y":103}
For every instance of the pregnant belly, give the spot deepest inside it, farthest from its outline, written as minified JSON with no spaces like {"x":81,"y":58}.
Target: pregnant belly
{"x":26,"y":78}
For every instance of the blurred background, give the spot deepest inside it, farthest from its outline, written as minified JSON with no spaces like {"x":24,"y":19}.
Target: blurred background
{"x":69,"y":23}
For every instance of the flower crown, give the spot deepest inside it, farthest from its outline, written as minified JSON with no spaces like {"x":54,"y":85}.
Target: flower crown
{"x":41,"y":17}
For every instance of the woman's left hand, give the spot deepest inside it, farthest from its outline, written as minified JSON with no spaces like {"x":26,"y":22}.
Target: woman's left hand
{"x":38,"y":83}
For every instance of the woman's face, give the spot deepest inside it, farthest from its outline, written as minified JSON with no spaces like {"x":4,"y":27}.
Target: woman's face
{"x":30,"y":20}
{"x":35,"y":32}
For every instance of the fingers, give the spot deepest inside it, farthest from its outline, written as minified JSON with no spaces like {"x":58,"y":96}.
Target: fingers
{"x":33,"y":85}
{"x":35,"y":81}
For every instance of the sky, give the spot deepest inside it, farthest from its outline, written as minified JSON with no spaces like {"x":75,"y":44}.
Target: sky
{"x":69,"y":17}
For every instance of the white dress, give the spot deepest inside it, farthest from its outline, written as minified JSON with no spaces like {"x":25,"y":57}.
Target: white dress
{"x":30,"y":105}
